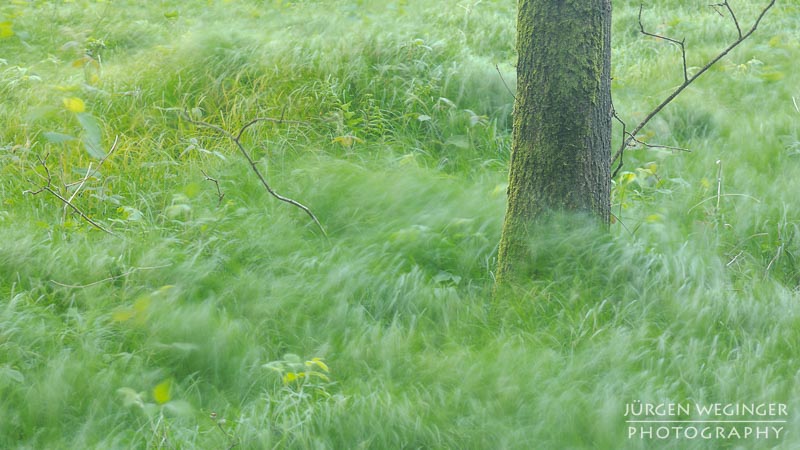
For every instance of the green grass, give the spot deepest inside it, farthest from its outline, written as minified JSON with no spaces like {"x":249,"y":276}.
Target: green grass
{"x":166,"y":334}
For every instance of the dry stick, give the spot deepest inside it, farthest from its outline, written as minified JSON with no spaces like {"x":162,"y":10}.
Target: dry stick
{"x":253,"y":165}
{"x":47,"y":188}
{"x":686,"y":83}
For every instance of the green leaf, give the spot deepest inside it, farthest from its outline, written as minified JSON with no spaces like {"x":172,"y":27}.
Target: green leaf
{"x":57,"y":138}
{"x":162,"y":393}
{"x":92,"y":135}
{"x":11,"y":373}
{"x":6,"y":29}
{"x":772,"y":76}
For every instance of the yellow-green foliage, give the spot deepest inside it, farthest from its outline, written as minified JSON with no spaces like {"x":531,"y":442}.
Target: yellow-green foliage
{"x":157,"y":336}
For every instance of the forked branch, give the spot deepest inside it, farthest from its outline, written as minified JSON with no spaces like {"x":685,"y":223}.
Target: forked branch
{"x":668,"y":39}
{"x":631,"y":136}
{"x":236,"y":138}
{"x":47,"y":187}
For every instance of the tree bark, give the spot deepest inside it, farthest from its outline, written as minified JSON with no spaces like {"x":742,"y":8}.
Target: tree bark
{"x":561,"y":147}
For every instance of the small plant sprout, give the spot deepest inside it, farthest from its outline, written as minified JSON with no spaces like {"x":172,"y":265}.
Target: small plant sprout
{"x":298,"y":374}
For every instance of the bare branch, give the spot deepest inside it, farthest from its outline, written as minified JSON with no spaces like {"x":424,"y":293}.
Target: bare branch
{"x":674,"y":41}
{"x":626,"y":142}
{"x":632,"y":139}
{"x":497,"y":67}
{"x":624,"y":135}
{"x":666,"y":147}
{"x":96,"y":169}
{"x":220,"y":194}
{"x":47,"y":188}
{"x":236,"y":140}
{"x":730,"y":11}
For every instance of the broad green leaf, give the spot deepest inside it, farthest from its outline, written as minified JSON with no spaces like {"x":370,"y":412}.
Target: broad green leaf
{"x":92,"y":135}
{"x":57,"y":138}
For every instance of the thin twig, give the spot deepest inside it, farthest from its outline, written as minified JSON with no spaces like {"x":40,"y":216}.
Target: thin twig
{"x":685,"y":84}
{"x":96,"y":169}
{"x":104,"y":280}
{"x":89,"y":172}
{"x":749,"y":197}
{"x":666,"y":147}
{"x":624,"y":135}
{"x":645,"y":144}
{"x":674,"y":41}
{"x":497,"y":67}
{"x":253,"y":165}
{"x":47,"y":188}
{"x":220,"y":194}
{"x":77,"y":210}
{"x":730,"y":11}
{"x":632,"y":139}
{"x":619,"y":220}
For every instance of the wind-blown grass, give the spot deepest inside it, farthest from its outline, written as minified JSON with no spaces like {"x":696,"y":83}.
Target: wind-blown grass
{"x":166,"y":334}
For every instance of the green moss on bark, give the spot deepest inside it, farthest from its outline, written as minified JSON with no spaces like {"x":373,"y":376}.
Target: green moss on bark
{"x":562,"y":120}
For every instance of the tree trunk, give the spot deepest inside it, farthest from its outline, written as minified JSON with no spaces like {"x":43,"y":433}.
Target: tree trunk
{"x":561,"y":148}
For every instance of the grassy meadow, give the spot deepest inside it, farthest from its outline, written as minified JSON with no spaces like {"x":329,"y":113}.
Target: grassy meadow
{"x":210,"y":315}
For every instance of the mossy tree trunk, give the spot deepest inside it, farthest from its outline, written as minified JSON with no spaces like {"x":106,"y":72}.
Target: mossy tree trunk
{"x":561,"y":146}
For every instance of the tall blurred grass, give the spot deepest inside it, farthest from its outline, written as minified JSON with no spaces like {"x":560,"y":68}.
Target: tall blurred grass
{"x":402,"y":156}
